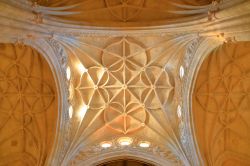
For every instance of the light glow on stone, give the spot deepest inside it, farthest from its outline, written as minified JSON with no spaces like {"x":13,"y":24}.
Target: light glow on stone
{"x":81,"y":68}
{"x":106,"y":144}
{"x":68,"y":73}
{"x":182,"y":72}
{"x":125,"y":141}
{"x":144,"y":144}
{"x":70,"y":112}
{"x":82,"y":111}
{"x":179,"y":111}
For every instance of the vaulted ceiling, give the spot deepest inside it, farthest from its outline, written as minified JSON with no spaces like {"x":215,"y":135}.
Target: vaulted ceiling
{"x":28,"y":106}
{"x":124,"y":13}
{"x":221,"y":105}
{"x":95,"y":82}
{"x":124,"y":85}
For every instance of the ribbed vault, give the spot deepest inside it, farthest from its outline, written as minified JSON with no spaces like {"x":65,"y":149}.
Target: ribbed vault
{"x":28,"y":106}
{"x":121,"y":87}
{"x":124,"y":71}
{"x":221,"y":106}
{"x":124,"y":13}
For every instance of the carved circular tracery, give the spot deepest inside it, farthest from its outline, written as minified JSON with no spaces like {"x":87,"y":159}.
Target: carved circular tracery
{"x":126,"y":86}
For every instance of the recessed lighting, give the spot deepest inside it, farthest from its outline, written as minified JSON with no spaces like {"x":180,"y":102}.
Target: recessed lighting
{"x":81,"y":68}
{"x":68,"y":73}
{"x":70,"y":112}
{"x":83,"y":111}
{"x":106,"y":144}
{"x":125,"y":141}
{"x":181,"y":72}
{"x":144,"y":144}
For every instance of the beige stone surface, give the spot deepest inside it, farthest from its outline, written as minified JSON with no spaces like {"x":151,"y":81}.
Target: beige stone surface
{"x":28,"y":106}
{"x":221,"y":106}
{"x":125,"y":81}
{"x":118,"y":70}
{"x":126,"y":88}
{"x":124,"y":13}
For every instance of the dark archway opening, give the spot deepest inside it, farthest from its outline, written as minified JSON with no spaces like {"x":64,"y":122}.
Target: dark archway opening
{"x":125,"y":162}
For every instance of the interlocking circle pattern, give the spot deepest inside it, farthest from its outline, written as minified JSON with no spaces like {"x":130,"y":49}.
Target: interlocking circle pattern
{"x":126,"y":86}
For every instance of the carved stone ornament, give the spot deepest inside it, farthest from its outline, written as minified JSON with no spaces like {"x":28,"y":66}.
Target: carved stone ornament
{"x":122,"y":68}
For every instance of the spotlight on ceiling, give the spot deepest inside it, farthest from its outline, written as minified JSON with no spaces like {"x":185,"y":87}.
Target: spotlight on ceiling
{"x":83,"y":111}
{"x":125,"y":141}
{"x":70,"y":112}
{"x":68,"y":73}
{"x":144,"y":144}
{"x":81,"y":68}
{"x":106,"y":144}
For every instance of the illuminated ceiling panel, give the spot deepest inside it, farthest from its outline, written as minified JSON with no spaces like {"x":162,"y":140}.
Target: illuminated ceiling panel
{"x":124,"y":83}
{"x":124,"y":87}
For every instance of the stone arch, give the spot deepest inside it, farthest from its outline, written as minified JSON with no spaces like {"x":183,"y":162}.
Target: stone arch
{"x":124,"y":162}
{"x":123,"y":154}
{"x":57,"y":60}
